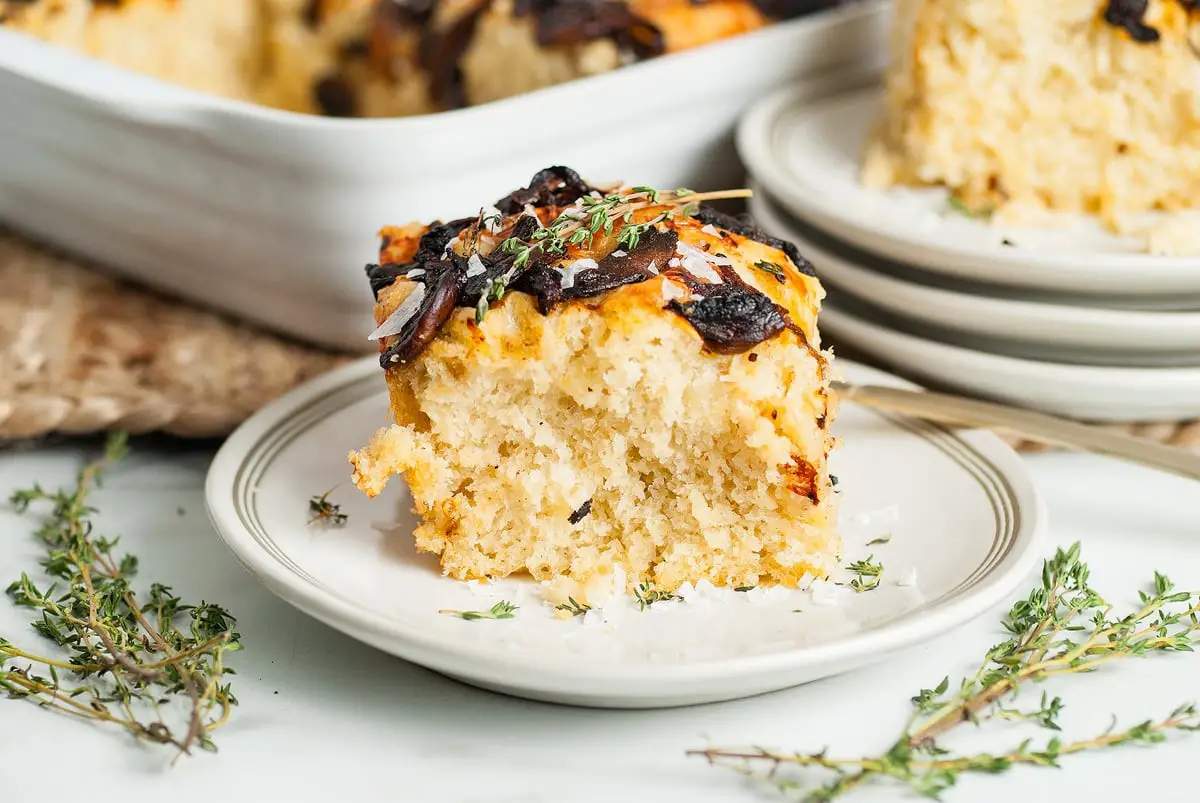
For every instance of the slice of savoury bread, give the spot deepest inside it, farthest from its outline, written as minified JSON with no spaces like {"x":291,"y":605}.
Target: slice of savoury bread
{"x":588,"y":381}
{"x":1026,"y":107}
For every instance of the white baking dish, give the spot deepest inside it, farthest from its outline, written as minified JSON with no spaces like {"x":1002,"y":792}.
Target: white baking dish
{"x":271,"y":215}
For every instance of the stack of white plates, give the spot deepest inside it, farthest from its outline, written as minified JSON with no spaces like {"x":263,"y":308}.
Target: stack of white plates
{"x":1070,"y":320}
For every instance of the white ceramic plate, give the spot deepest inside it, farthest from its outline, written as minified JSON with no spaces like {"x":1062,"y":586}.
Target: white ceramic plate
{"x":1075,"y":391}
{"x":965,"y":518}
{"x":808,"y":155}
{"x":1013,"y":326}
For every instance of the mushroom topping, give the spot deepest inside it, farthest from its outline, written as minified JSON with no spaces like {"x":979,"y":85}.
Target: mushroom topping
{"x":437,"y":305}
{"x":613,"y":272}
{"x":1131,"y":16}
{"x":550,"y":261}
{"x":440,"y":52}
{"x":732,"y":318}
{"x":381,"y":276}
{"x":556,"y":186}
{"x":574,"y":23}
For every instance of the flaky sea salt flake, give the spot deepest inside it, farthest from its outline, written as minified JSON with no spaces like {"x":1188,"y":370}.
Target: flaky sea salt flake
{"x":402,"y":315}
{"x":475,"y":266}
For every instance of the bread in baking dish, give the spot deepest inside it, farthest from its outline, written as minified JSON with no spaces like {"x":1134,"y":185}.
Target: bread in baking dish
{"x":1023,"y":107}
{"x":451,"y":53}
{"x":384,"y":58}
{"x":210,"y":46}
{"x":660,"y":407}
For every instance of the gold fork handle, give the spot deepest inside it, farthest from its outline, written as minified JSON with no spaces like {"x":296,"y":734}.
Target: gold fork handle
{"x":1040,"y":427}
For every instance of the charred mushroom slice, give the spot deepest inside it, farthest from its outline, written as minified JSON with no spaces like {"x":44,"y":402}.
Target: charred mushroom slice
{"x":395,"y":26}
{"x":746,"y":227}
{"x":524,"y":228}
{"x":482,"y":273}
{"x":544,"y":283}
{"x":554,"y":186}
{"x":654,"y":248}
{"x":575,"y":23}
{"x":433,"y":243}
{"x":732,"y":318}
{"x":335,"y":97}
{"x":440,"y":52}
{"x":441,"y":296}
{"x":381,"y":276}
{"x":1131,"y":16}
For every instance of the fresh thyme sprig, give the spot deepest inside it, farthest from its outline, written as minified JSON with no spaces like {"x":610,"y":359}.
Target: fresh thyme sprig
{"x":582,"y":222}
{"x":501,"y":610}
{"x":1064,"y":627}
{"x":321,"y":509}
{"x":130,"y":659}
{"x":492,"y":291}
{"x":647,"y":596}
{"x":867,"y":574}
{"x":572,"y":607}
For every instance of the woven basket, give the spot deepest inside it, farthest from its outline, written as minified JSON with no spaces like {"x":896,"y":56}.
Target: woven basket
{"x":82,"y":352}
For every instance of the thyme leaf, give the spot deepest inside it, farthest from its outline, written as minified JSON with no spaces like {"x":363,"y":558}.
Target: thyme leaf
{"x":767,"y":266}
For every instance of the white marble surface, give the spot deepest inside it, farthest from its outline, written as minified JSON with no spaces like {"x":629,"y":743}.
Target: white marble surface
{"x":325,"y":719}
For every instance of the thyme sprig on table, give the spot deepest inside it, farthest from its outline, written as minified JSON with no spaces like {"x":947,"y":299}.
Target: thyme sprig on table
{"x":1064,"y":627}
{"x":580,"y":223}
{"x":129,"y":657}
